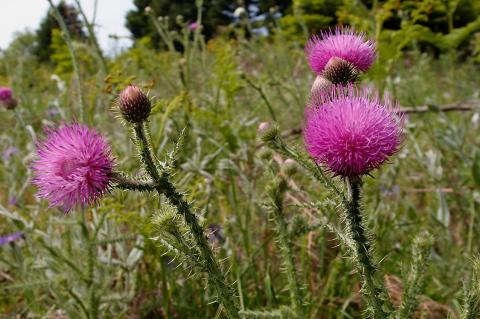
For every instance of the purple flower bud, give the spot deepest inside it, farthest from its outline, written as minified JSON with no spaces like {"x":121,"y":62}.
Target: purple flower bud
{"x":194,"y":26}
{"x":6,"y":98}
{"x":134,"y":104}
{"x":5,"y":93}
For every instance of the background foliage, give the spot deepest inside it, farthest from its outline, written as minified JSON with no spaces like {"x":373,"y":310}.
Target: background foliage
{"x":220,"y":88}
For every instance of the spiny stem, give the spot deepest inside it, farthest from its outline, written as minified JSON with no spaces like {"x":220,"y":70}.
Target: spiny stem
{"x":282,"y":312}
{"x":165,"y":187}
{"x":124,"y":183}
{"x":413,"y":288}
{"x":285,"y":244}
{"x":374,"y":292}
{"x":91,"y":257}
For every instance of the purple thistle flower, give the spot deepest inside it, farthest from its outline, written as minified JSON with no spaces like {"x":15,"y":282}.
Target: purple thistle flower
{"x":350,"y":131}
{"x":74,"y":166}
{"x":10,"y":238}
{"x":343,"y":43}
{"x":194,"y":26}
{"x":6,"y":94}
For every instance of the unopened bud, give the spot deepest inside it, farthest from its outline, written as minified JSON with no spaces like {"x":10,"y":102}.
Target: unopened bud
{"x":134,"y":104}
{"x":339,"y":71}
{"x":6,"y":98}
{"x":10,"y":104}
{"x":179,"y":19}
{"x":267,"y":131}
{"x":148,"y":10}
{"x":320,"y":85}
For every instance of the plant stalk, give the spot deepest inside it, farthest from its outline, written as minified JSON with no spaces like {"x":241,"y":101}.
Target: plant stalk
{"x":285,"y":245}
{"x":76,"y":70}
{"x":374,"y":292}
{"x":165,"y":187}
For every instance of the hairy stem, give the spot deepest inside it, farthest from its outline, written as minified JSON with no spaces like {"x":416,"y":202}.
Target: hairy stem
{"x":125,"y":183}
{"x":91,"y":258}
{"x":420,"y":255}
{"x":374,"y":292}
{"x":285,"y":245}
{"x":165,"y":187}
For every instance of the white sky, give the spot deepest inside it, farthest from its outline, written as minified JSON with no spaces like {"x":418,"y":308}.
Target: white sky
{"x":18,"y":15}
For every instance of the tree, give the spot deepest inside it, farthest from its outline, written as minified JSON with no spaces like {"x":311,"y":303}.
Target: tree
{"x":43,"y":50}
{"x":212,"y":10}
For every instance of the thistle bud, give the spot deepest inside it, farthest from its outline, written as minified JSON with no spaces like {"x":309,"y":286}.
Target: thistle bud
{"x":320,"y":85}
{"x":6,"y":98}
{"x":134,"y":104}
{"x":179,"y":20}
{"x":10,"y":104}
{"x":267,"y":132}
{"x":339,"y":71}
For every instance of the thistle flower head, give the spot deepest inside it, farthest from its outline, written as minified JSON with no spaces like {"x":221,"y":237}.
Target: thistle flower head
{"x":343,"y":43}
{"x":134,"y":104}
{"x":194,"y":26}
{"x":6,"y":98}
{"x":73,"y":166}
{"x":6,"y":94}
{"x":351,"y":131}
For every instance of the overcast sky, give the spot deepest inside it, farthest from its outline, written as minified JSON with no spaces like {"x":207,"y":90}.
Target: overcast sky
{"x":18,"y":15}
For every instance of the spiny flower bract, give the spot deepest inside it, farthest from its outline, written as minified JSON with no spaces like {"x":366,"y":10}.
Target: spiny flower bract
{"x":73,"y":166}
{"x":351,"y":131}
{"x":343,"y":43}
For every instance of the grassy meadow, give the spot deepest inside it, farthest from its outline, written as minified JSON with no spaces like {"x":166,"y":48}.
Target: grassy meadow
{"x":219,"y":91}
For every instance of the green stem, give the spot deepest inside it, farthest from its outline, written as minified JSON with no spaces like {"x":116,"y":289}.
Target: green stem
{"x":68,"y":40}
{"x":264,"y":97}
{"x":91,"y":257}
{"x":165,"y":187}
{"x":93,"y":37}
{"x":374,"y":292}
{"x":279,"y":145}
{"x":285,"y":245}
{"x":124,"y":183}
